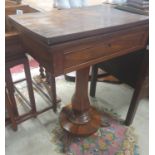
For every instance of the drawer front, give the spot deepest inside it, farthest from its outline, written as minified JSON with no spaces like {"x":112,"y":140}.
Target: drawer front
{"x":104,"y":47}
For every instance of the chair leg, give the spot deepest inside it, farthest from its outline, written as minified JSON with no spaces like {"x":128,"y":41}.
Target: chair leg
{"x":47,"y":76}
{"x":29,"y":85}
{"x":10,"y":111}
{"x":93,"y":80}
{"x":41,"y":69}
{"x":51,"y":81}
{"x":133,"y":107}
{"x":10,"y":87}
{"x":138,"y":90}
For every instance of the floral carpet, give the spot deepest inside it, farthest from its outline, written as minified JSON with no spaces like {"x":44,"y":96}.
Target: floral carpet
{"x":115,"y":139}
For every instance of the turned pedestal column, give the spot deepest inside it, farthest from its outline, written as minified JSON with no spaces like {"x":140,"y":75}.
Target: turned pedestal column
{"x":79,"y":118}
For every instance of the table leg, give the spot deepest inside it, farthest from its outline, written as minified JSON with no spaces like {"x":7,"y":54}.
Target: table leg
{"x":10,"y":87}
{"x":144,"y":72}
{"x":10,"y":111}
{"x":79,"y":118}
{"x":93,"y":80}
{"x":41,"y":70}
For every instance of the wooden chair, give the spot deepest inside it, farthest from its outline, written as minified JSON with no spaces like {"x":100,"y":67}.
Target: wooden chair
{"x":15,"y":55}
{"x":131,"y":69}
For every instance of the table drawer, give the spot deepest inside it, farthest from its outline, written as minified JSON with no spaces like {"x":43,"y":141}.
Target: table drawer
{"x":105,"y":46}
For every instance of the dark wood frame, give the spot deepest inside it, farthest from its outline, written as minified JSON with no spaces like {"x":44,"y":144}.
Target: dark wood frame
{"x":135,"y":66}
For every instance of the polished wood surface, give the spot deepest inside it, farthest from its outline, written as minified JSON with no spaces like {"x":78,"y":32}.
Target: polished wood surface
{"x":63,"y":25}
{"x":77,"y":53}
{"x":11,"y":9}
{"x":10,"y":3}
{"x":13,"y":42}
{"x":68,"y":40}
{"x":83,"y":120}
{"x":77,"y":129}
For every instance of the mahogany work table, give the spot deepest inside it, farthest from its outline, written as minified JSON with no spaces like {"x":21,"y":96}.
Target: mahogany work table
{"x":66,"y":40}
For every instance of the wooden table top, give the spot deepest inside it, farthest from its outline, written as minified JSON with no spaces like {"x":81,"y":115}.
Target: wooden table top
{"x":9,"y":3}
{"x":63,"y":25}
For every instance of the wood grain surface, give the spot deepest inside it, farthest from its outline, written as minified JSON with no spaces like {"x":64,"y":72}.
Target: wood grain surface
{"x":64,"y":25}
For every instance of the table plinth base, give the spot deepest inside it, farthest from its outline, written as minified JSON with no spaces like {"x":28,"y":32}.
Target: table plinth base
{"x":80,"y":129}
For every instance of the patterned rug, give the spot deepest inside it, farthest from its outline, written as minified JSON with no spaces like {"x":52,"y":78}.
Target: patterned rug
{"x":115,"y":139}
